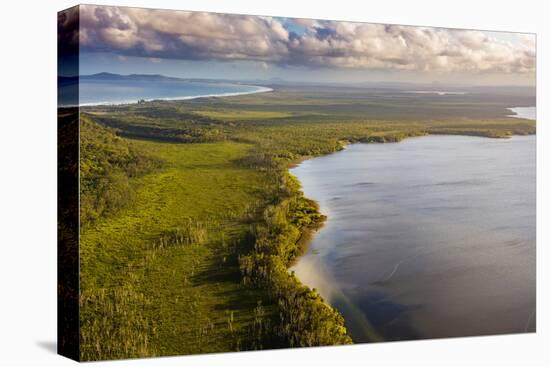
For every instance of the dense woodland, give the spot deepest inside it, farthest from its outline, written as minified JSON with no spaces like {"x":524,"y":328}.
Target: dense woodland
{"x":107,"y":165}
{"x":190,"y":218}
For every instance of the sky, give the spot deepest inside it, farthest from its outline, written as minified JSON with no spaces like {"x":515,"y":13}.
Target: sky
{"x":243,"y":47}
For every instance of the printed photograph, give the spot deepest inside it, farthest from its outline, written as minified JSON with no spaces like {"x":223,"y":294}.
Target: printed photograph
{"x":253,"y":182}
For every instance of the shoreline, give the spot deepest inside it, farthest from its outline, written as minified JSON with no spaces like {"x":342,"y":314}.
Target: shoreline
{"x":260,"y":89}
{"x":309,"y":233}
{"x":523,"y":113}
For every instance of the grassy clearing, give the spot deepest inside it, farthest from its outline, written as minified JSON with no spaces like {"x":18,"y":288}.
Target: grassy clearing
{"x":164,"y":300}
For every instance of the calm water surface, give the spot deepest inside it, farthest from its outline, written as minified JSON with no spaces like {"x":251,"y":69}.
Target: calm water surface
{"x":529,"y":113}
{"x":430,"y":237}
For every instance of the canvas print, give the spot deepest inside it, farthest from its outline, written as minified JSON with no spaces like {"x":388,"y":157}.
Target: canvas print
{"x":239,"y":182}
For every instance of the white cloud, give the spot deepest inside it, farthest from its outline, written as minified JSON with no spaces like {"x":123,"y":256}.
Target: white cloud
{"x":196,"y":35}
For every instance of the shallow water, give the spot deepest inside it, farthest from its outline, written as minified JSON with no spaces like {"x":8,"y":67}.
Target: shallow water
{"x":529,"y":113}
{"x":430,"y":237}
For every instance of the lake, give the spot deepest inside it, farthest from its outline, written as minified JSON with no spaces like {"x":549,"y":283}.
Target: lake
{"x":430,"y":237}
{"x":94,"y":92}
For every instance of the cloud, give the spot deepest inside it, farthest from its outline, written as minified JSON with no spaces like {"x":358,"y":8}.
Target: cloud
{"x":210,"y":36}
{"x":185,"y":35}
{"x":67,"y":31}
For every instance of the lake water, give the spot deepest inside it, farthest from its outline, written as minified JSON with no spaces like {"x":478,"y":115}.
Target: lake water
{"x":529,"y":113}
{"x":93,"y":92}
{"x":430,"y":237}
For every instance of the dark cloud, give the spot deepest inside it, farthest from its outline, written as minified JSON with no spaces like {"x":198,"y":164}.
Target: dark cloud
{"x":67,"y":31}
{"x":210,"y":36}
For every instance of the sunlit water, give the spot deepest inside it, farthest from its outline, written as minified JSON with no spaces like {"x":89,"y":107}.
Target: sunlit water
{"x":430,"y":237}
{"x":529,"y":113}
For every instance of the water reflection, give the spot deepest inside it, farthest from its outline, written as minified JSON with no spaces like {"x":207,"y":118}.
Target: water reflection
{"x":430,"y":237}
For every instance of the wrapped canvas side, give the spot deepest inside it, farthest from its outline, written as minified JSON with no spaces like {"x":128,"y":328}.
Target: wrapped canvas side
{"x":68,"y":187}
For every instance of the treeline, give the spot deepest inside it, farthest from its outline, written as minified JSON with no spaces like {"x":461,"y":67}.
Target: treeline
{"x":488,"y":133}
{"x":153,"y":110}
{"x":164,"y":125}
{"x":190,"y":134}
{"x":179,"y":135}
{"x":107,"y":163}
{"x":304,"y":318}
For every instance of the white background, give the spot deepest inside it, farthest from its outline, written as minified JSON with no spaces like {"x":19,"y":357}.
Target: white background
{"x":28,"y":182}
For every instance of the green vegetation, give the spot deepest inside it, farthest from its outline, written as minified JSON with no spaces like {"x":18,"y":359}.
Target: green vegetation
{"x":171,"y":252}
{"x":305,"y":319}
{"x":232,"y":115}
{"x":191,"y":219}
{"x":107,"y":165}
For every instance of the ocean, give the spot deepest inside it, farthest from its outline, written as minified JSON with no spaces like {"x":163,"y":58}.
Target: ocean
{"x":123,"y":91}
